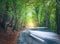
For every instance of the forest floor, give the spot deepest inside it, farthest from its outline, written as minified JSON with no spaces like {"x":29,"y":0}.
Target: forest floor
{"x":9,"y":37}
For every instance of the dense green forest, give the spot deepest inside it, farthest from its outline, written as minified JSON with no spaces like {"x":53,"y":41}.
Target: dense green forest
{"x":30,"y":13}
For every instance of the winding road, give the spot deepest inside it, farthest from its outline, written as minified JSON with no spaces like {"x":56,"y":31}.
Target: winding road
{"x":37,"y":36}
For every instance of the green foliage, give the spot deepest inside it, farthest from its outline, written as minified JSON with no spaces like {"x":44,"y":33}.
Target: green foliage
{"x":42,"y":12}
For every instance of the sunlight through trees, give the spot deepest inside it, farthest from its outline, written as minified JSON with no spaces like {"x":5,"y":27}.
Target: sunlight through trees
{"x":19,"y":13}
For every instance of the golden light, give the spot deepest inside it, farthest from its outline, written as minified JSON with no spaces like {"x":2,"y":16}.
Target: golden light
{"x":30,"y":25}
{"x":30,"y":22}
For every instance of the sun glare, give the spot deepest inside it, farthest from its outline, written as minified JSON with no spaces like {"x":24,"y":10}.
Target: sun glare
{"x":30,"y":25}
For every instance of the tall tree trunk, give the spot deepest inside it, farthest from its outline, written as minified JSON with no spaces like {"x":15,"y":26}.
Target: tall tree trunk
{"x":58,"y":16}
{"x":47,"y":18}
{"x":37,"y":11}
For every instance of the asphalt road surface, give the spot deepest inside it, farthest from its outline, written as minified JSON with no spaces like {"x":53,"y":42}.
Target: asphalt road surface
{"x":37,"y":36}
